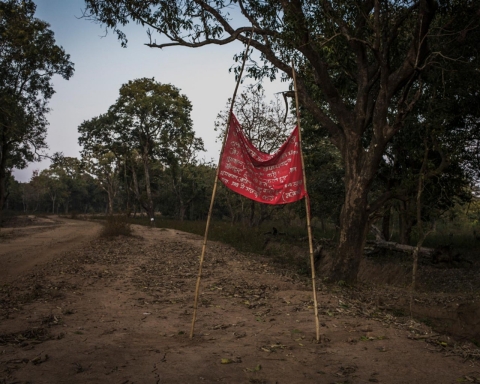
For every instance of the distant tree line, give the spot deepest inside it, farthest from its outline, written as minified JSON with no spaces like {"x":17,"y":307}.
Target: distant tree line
{"x":112,"y":174}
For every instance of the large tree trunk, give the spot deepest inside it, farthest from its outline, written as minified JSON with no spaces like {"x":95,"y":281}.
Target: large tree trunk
{"x":136,"y":190}
{"x":360,"y":170}
{"x":362,"y":150}
{"x":345,"y":262}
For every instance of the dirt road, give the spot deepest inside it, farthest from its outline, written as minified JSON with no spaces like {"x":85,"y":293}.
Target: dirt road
{"x":39,"y":243}
{"x":120,"y":312}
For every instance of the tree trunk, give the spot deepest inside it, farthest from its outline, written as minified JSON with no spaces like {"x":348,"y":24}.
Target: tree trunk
{"x":177,"y":187}
{"x":230,"y":208}
{"x":345,"y":262}
{"x":136,"y":190}
{"x":360,"y":170}
{"x":110,"y":193}
{"x":148,"y":188}
{"x":53,"y":204}
{"x":181,"y":211}
{"x":110,"y":203}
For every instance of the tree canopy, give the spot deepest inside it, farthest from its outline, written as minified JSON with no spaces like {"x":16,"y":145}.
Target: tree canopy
{"x":29,"y":58}
{"x":360,"y":68}
{"x":149,"y":124}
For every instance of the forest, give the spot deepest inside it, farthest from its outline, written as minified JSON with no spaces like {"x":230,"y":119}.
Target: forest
{"x":388,"y":97}
{"x":99,"y":253}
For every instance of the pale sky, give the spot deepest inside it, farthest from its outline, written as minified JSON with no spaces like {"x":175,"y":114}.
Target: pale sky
{"x":102,"y":66}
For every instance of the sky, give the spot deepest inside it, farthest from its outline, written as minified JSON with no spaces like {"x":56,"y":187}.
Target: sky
{"x":102,"y":66}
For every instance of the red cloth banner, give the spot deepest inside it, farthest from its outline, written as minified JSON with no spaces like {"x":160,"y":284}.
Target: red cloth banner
{"x":269,"y":179}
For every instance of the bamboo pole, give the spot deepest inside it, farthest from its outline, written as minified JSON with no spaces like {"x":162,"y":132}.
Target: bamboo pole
{"x":307,"y":208}
{"x":204,"y":246}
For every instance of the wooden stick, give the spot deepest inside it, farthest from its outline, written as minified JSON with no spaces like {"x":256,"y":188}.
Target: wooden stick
{"x":307,"y":208}
{"x":204,"y":246}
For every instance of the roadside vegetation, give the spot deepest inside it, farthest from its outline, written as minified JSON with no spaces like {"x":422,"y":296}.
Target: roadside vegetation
{"x":287,"y":244}
{"x":115,"y":226}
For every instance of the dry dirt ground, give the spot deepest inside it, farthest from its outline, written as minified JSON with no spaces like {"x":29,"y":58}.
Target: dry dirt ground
{"x":79,"y":309}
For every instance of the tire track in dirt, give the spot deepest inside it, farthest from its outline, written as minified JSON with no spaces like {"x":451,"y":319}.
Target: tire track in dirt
{"x":22,"y":254}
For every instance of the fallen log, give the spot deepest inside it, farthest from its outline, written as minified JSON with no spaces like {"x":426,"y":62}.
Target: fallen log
{"x":393,"y":246}
{"x":381,"y":243}
{"x":441,"y":254}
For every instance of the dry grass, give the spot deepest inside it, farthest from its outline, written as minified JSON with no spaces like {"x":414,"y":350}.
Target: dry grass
{"x":116,"y":226}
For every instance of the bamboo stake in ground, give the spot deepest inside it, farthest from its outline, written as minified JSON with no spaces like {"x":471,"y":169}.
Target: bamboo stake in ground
{"x":205,"y":237}
{"x":307,"y":208}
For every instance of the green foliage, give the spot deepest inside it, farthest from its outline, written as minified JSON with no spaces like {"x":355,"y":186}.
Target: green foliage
{"x":61,"y":188}
{"x":325,"y":172}
{"x":29,"y":58}
{"x":64,"y":183}
{"x":105,"y":167}
{"x":358,"y":64}
{"x":440,"y":137}
{"x":145,"y":140}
